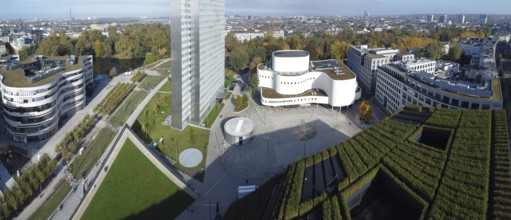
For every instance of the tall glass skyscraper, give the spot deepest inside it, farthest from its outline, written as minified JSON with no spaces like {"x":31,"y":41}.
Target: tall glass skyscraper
{"x":198,"y":58}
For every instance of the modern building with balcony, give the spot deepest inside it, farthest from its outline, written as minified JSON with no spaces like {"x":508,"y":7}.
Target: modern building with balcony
{"x":446,"y":87}
{"x":40,"y":92}
{"x":291,"y":79}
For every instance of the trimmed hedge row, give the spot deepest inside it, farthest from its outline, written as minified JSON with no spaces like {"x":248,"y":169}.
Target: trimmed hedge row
{"x":420,"y":168}
{"x":69,"y":144}
{"x":138,"y":76}
{"x":463,"y":190}
{"x":450,"y":183}
{"x":16,"y":197}
{"x":502,"y":167}
{"x":114,"y":97}
{"x":444,"y":118}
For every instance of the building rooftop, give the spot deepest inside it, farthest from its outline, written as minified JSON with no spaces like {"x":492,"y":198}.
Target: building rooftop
{"x":19,"y":77}
{"x":375,"y":56}
{"x":333,"y":68}
{"x":291,"y":53}
{"x":453,"y":83}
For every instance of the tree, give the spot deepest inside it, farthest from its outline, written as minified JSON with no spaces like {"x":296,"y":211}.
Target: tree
{"x":365,"y":111}
{"x":238,"y":59}
{"x":454,"y":52}
{"x":253,"y":65}
{"x":97,"y":48}
{"x":339,"y":49}
{"x":239,"y":102}
{"x":434,"y":50}
{"x":231,"y":41}
{"x":254,"y":82}
{"x":295,"y":42}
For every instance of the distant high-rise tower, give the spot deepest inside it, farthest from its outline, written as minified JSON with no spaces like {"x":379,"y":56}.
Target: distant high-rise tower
{"x":70,"y":15}
{"x":461,"y":19}
{"x":431,"y":18}
{"x":443,"y":19}
{"x":366,"y":19}
{"x":198,"y":58}
{"x":483,"y":19}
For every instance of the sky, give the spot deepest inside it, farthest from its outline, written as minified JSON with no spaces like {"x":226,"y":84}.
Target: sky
{"x":10,"y":9}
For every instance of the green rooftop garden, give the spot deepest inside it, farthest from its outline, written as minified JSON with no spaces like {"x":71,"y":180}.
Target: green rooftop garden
{"x":455,"y":164}
{"x":16,"y":77}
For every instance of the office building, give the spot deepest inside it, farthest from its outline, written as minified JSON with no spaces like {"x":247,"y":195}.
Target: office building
{"x":483,"y":19}
{"x":446,"y":86}
{"x":366,"y":19}
{"x":461,"y":19}
{"x":431,"y":18}
{"x":292,"y":79}
{"x":40,"y":92}
{"x":364,"y":61}
{"x":443,"y":19}
{"x":198,"y":56}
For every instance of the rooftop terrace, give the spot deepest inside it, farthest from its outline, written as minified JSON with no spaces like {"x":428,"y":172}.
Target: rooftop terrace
{"x":17,"y":77}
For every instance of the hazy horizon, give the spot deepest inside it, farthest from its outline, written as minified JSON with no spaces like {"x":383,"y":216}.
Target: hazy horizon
{"x":27,"y":9}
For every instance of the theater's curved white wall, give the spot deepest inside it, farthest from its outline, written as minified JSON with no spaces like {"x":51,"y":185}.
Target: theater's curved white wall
{"x":340,"y":92}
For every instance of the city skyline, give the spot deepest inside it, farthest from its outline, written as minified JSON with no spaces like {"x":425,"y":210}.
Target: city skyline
{"x":156,"y":8}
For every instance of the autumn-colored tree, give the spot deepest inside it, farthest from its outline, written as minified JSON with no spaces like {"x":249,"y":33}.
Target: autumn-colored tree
{"x":365,"y":111}
{"x":97,"y":48}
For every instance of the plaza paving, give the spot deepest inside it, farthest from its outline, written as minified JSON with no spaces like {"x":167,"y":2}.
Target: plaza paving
{"x":273,"y":148}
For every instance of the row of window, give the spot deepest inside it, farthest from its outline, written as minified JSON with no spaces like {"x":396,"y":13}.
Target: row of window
{"x":292,"y":100}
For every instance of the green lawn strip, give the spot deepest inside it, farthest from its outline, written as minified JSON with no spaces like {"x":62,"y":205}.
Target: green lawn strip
{"x":134,"y":188}
{"x":83,"y":163}
{"x":52,"y":203}
{"x":228,"y":95}
{"x":213,"y":114}
{"x":174,"y":141}
{"x":123,"y":113}
{"x":167,"y":87}
{"x":150,"y":82}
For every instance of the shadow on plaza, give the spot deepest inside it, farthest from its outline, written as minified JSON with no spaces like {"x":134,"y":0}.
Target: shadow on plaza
{"x":166,"y":209}
{"x":272,"y":151}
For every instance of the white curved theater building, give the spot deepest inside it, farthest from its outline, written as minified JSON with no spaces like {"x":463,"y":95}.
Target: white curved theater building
{"x":37,"y":93}
{"x":291,"y":79}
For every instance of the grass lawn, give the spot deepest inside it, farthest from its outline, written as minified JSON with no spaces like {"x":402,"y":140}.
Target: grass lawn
{"x":167,"y":87}
{"x":135,"y":189}
{"x":164,"y":68}
{"x":150,"y":82}
{"x":213,"y":114}
{"x":174,"y":141}
{"x":52,"y":203}
{"x":123,"y":113}
{"x":83,"y":163}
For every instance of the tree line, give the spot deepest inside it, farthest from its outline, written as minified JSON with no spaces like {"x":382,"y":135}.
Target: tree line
{"x":136,"y":41}
{"x":243,"y":56}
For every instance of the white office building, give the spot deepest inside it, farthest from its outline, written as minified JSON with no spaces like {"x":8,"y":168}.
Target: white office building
{"x":198,"y":56}
{"x":446,"y":87}
{"x":364,"y":61}
{"x":461,"y":19}
{"x":483,"y":19}
{"x":292,"y":79}
{"x":40,"y":92}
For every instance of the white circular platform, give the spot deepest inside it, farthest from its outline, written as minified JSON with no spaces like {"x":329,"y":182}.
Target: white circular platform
{"x":190,"y":157}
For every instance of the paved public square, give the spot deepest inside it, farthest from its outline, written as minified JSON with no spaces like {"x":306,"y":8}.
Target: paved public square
{"x":274,"y":146}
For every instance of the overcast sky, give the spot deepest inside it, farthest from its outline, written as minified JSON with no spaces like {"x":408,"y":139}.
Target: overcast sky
{"x":155,"y":8}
